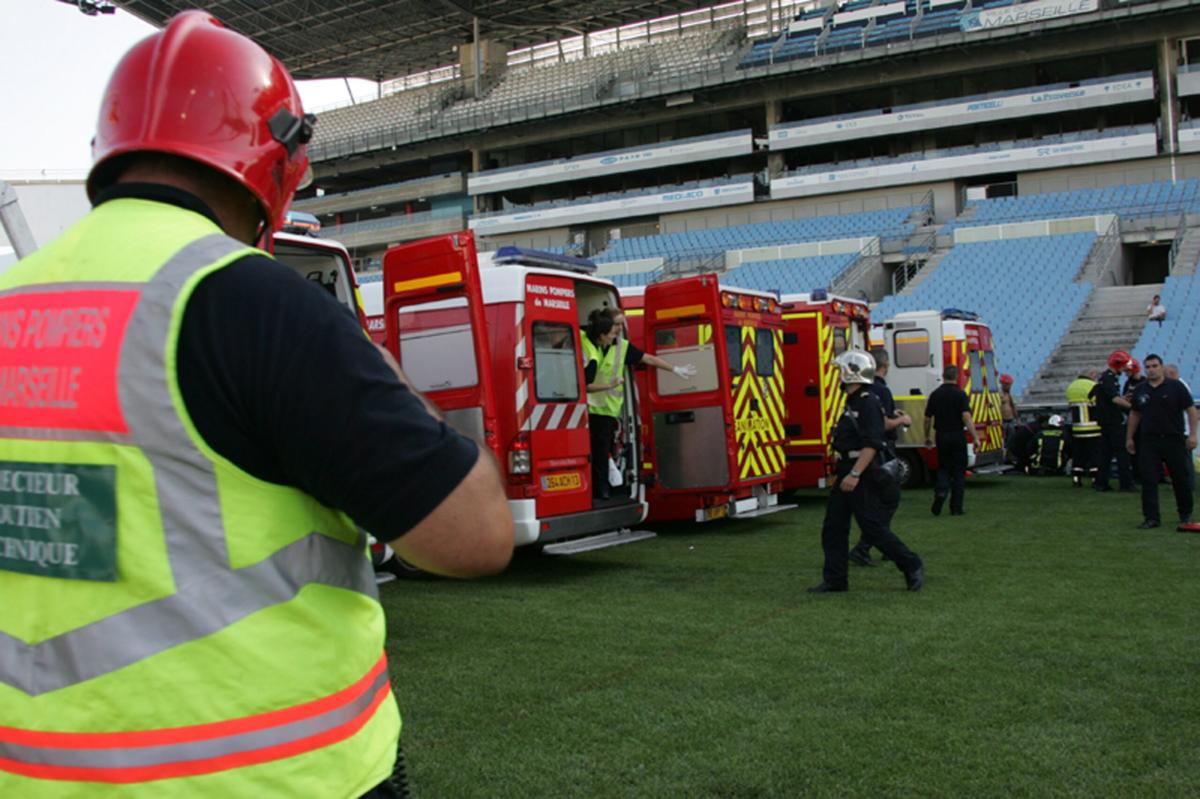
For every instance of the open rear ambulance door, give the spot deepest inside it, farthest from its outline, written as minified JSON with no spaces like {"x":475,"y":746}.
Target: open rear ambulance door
{"x":691,"y":426}
{"x":434,"y":324}
{"x":811,"y":380}
{"x":551,"y":396}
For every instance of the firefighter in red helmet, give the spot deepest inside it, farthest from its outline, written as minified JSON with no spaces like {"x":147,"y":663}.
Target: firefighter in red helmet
{"x":1111,"y":408}
{"x":190,"y":399}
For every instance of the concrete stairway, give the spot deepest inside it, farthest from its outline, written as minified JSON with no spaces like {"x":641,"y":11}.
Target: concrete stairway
{"x":1188,"y":253}
{"x":1112,"y":319}
{"x":930,"y":264}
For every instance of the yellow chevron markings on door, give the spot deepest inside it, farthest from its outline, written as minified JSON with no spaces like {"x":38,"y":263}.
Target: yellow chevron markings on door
{"x":772,"y":389}
{"x":758,"y":434}
{"x":833,"y":399}
{"x":749,"y":458}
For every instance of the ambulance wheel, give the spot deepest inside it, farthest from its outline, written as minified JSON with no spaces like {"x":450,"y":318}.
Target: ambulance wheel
{"x":913,"y":473}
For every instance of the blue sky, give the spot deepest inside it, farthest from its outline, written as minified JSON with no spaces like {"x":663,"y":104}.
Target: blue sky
{"x":54,"y":65}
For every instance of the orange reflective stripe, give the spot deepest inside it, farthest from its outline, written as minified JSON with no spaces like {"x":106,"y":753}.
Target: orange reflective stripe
{"x":142,"y":755}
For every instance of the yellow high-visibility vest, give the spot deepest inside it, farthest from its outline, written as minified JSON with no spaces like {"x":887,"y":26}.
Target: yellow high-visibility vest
{"x":172,"y":624}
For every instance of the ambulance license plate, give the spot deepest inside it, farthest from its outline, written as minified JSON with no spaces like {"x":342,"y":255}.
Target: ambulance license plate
{"x":716,"y":512}
{"x":561,"y":482}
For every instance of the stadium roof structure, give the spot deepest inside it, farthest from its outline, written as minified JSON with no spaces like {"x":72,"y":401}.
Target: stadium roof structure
{"x":384,"y":39}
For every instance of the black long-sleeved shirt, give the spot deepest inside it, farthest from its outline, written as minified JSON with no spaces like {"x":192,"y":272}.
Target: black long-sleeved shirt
{"x":279,"y":379}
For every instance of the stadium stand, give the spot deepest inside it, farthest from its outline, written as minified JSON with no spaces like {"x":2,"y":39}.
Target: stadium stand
{"x":510,"y":208}
{"x":1025,"y":290}
{"x":1064,"y":138}
{"x":1162,"y":198}
{"x":633,"y":279}
{"x":789,"y":275}
{"x":1177,"y":339}
{"x":891,"y":223}
{"x":524,"y":93}
{"x":920,"y":18}
{"x":1042,"y":89}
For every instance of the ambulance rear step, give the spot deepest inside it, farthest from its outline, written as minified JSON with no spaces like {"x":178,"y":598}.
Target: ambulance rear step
{"x":614,"y":538}
{"x":755,"y":513}
{"x":761,"y":504}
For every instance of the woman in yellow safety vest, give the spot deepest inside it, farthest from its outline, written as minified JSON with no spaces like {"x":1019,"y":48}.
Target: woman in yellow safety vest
{"x":605,"y":391}
{"x":604,"y":345}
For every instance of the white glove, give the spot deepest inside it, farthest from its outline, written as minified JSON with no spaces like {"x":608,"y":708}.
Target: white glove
{"x":686,"y":372}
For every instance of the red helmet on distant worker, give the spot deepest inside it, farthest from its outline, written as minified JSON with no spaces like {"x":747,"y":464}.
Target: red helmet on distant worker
{"x":1006,"y":380}
{"x":1134,"y":367}
{"x":200,"y":91}
{"x":1119,"y":360}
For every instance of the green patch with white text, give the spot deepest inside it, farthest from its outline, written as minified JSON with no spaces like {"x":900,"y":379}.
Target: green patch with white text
{"x":59,"y":520}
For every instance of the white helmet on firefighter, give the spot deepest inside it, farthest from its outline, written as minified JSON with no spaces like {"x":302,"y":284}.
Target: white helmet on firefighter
{"x":1055,"y":421}
{"x":856,"y":366}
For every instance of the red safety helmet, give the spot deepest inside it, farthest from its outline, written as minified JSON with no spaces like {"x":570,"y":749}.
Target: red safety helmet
{"x":1119,"y":360}
{"x":1134,"y":367}
{"x":1006,"y":380}
{"x":201,"y":91}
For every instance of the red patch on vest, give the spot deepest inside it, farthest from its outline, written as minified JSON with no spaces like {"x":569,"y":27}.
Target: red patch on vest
{"x":59,"y":353}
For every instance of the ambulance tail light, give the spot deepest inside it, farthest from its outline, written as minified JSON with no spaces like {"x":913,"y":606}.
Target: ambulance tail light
{"x":520,"y":461}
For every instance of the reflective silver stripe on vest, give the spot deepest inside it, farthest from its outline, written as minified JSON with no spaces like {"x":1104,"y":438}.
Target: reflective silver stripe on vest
{"x":133,"y":757}
{"x":210,"y":595}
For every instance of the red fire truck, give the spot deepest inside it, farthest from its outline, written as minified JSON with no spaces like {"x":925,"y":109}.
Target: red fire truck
{"x":713,"y":444}
{"x":911,"y":340}
{"x":497,"y":350}
{"x":818,"y":327}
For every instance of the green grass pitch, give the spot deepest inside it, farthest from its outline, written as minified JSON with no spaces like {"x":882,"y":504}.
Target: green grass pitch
{"x":1055,"y":651}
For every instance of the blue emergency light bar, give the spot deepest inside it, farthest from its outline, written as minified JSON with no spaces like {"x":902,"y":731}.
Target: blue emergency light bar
{"x":957,"y":313}
{"x":300,"y":222}
{"x":519,"y":256}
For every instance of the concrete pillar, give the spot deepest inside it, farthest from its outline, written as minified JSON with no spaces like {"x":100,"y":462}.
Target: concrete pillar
{"x":1168,"y":58}
{"x":477,"y":160}
{"x":774,"y":114}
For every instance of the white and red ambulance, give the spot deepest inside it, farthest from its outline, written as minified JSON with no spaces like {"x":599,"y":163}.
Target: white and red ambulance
{"x":497,"y":349}
{"x":920,"y":344}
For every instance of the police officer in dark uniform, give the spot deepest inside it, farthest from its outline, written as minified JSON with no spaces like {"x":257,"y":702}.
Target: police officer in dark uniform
{"x":1159,"y":405}
{"x":1110,"y":414}
{"x":948,"y":410}
{"x":893,"y":420}
{"x":857,"y":439}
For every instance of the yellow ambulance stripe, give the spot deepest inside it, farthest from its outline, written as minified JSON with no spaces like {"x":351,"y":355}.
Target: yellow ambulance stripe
{"x":680,"y":310}
{"x":444,"y":279}
{"x":635,"y":312}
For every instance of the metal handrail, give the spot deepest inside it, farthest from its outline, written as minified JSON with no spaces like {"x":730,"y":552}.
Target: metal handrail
{"x":1180,"y":231}
{"x":1100,"y":258}
{"x":870,"y":256}
{"x":913,"y":264}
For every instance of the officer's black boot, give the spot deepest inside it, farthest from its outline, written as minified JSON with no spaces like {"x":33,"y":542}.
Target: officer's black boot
{"x":861,"y":554}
